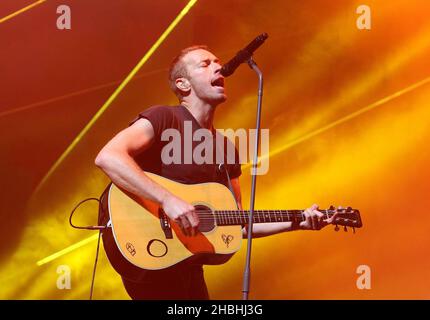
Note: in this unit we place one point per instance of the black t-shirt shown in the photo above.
(186, 170)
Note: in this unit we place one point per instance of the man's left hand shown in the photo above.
(314, 219)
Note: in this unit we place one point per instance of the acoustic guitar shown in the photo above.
(142, 236)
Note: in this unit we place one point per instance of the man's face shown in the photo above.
(203, 70)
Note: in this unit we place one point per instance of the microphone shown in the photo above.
(243, 55)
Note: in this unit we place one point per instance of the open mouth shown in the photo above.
(218, 82)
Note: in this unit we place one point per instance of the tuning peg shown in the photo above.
(349, 209)
(331, 208)
(336, 228)
(345, 229)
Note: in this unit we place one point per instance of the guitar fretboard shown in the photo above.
(237, 217)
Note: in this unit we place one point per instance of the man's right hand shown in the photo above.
(182, 213)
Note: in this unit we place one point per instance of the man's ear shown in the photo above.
(183, 84)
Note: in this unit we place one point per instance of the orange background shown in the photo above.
(349, 124)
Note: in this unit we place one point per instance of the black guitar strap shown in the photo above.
(222, 166)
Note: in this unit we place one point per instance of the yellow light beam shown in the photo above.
(342, 120)
(10, 16)
(277, 151)
(116, 92)
(67, 250)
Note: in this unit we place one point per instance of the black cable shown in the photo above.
(100, 229)
(87, 227)
(95, 265)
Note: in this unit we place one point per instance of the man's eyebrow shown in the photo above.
(208, 60)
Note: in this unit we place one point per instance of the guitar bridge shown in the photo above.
(165, 224)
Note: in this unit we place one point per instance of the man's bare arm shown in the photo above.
(116, 159)
(314, 220)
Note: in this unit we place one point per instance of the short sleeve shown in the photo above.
(161, 118)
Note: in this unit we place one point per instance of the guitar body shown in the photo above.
(142, 237)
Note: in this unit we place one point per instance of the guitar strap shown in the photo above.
(222, 165)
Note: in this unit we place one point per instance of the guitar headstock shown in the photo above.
(347, 217)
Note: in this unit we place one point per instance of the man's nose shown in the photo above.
(217, 67)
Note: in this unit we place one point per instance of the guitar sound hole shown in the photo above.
(206, 217)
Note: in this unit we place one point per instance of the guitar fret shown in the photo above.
(238, 217)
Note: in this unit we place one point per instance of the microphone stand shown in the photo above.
(247, 271)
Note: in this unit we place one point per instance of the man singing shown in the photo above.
(195, 78)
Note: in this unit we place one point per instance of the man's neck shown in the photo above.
(202, 112)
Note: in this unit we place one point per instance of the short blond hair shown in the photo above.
(178, 69)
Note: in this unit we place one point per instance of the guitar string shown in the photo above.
(208, 217)
(233, 216)
(230, 214)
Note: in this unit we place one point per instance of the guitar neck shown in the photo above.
(239, 217)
